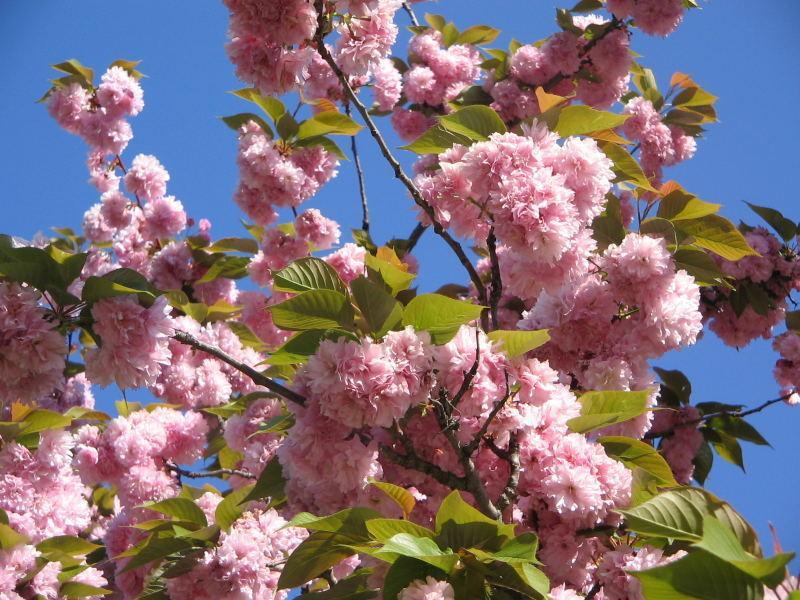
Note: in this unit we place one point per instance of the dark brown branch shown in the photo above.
(414, 462)
(399, 173)
(411, 14)
(257, 377)
(474, 484)
(214, 473)
(478, 438)
(509, 493)
(469, 375)
(497, 282)
(362, 186)
(740, 412)
(419, 229)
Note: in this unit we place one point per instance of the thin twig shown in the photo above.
(399, 173)
(362, 186)
(469, 375)
(253, 374)
(509, 493)
(413, 461)
(214, 473)
(411, 14)
(497, 282)
(476, 440)
(739, 412)
(419, 229)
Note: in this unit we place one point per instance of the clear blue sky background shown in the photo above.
(743, 51)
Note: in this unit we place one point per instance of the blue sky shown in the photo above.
(742, 51)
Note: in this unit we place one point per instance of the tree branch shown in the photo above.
(468, 375)
(214, 473)
(497, 282)
(740, 412)
(253, 374)
(476, 440)
(362, 187)
(413, 461)
(509, 493)
(411, 14)
(399, 173)
(419, 229)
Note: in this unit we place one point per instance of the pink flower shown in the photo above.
(348, 261)
(119, 94)
(429, 589)
(658, 17)
(388, 85)
(164, 218)
(32, 351)
(146, 177)
(319, 231)
(134, 342)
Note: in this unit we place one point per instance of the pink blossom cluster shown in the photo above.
(614, 570)
(427, 589)
(195, 379)
(537, 194)
(39, 491)
(242, 434)
(387, 85)
(367, 36)
(661, 145)
(272, 175)
(604, 328)
(368, 383)
(244, 564)
(46, 583)
(257, 318)
(134, 341)
(32, 351)
(75, 391)
(787, 368)
(769, 277)
(554, 65)
(131, 452)
(654, 17)
(280, 246)
(437, 75)
(348, 261)
(681, 439)
(98, 115)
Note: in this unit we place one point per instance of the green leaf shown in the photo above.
(232, 507)
(680, 206)
(234, 244)
(236, 122)
(232, 267)
(625, 166)
(318, 552)
(326, 143)
(581, 120)
(635, 452)
(153, 549)
(439, 315)
(353, 587)
(400, 495)
(436, 140)
(306, 274)
(454, 509)
(9, 538)
(393, 276)
(302, 345)
(698, 575)
(720, 541)
(701, 266)
(693, 96)
(607, 228)
(420, 548)
(74, 67)
(738, 428)
(67, 544)
(726, 446)
(703, 461)
(516, 342)
(674, 514)
(522, 548)
(180, 508)
(327, 123)
(315, 309)
(119, 282)
(478, 35)
(437, 22)
(783, 226)
(476, 122)
(75, 589)
(383, 529)
(380, 310)
(718, 235)
(272, 106)
(270, 484)
(351, 522)
(677, 382)
(600, 409)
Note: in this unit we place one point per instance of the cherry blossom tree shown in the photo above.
(507, 436)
